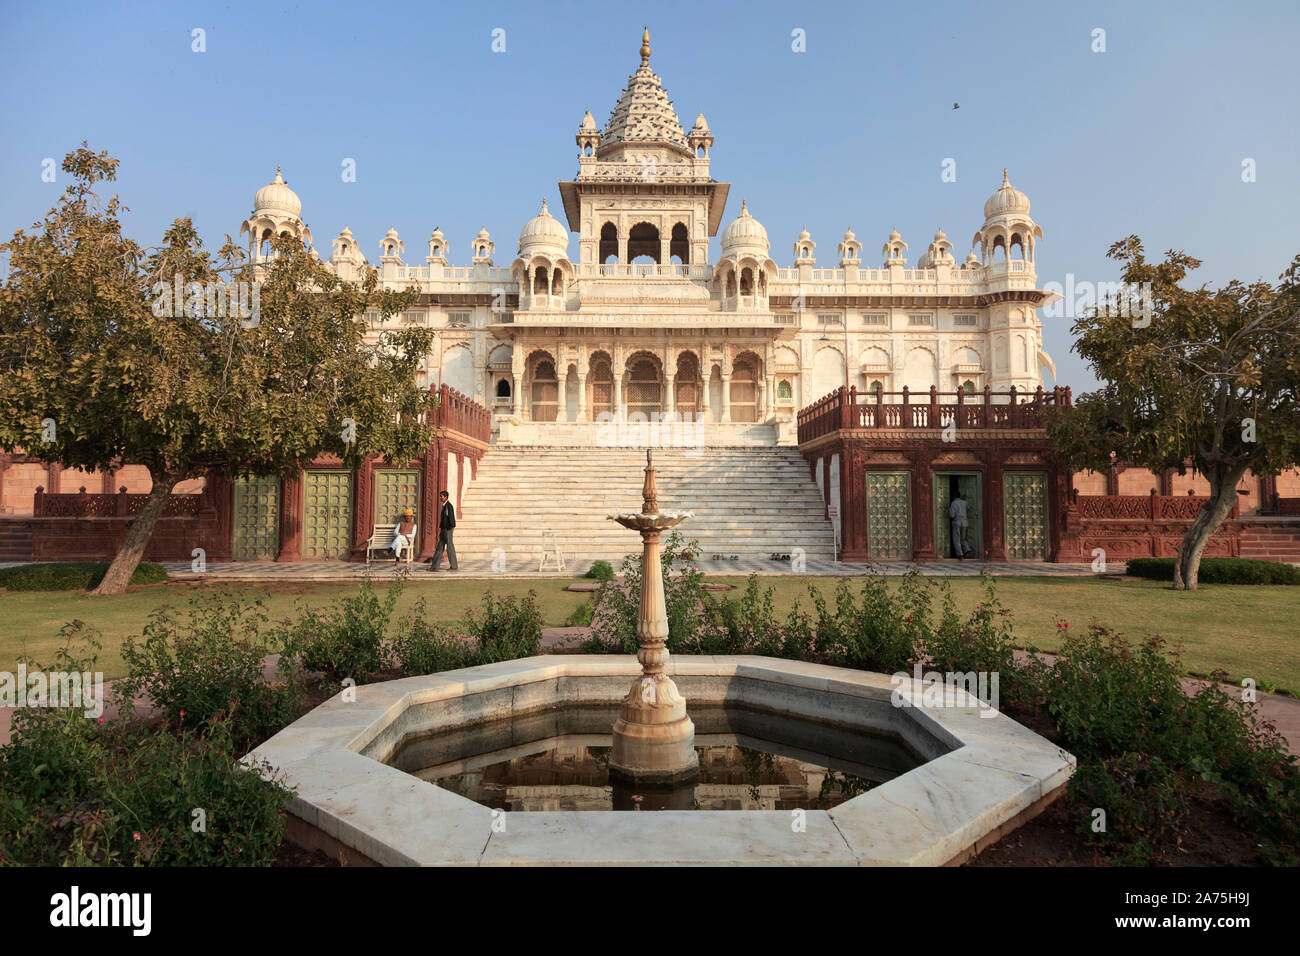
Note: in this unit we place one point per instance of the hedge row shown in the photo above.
(71, 576)
(1219, 571)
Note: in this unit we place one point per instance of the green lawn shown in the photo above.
(1246, 630)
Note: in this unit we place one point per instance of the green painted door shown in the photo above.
(889, 515)
(257, 519)
(968, 482)
(395, 489)
(326, 515)
(1024, 498)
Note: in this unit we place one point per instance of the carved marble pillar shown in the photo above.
(516, 395)
(726, 397)
(618, 395)
(670, 393)
(582, 397)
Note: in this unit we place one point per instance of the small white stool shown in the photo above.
(551, 550)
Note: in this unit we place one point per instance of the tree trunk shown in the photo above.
(128, 557)
(1223, 492)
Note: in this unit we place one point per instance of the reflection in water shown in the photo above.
(748, 761)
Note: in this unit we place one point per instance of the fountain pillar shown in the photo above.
(654, 740)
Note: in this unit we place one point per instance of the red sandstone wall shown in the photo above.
(1090, 482)
(1137, 481)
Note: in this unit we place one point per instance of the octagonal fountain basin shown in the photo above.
(800, 764)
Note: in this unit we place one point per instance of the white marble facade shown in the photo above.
(642, 323)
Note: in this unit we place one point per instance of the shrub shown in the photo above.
(581, 615)
(78, 792)
(1109, 697)
(984, 642)
(347, 639)
(600, 571)
(208, 669)
(505, 628)
(1144, 799)
(71, 575)
(614, 620)
(422, 647)
(500, 629)
(1219, 571)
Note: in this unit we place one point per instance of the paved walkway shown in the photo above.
(515, 568)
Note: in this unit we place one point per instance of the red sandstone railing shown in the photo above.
(121, 505)
(849, 408)
(1148, 507)
(460, 413)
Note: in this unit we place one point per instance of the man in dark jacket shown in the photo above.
(446, 524)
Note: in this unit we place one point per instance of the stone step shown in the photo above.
(751, 501)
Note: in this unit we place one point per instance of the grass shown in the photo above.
(1246, 631)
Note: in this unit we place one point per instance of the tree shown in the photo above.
(1204, 377)
(102, 364)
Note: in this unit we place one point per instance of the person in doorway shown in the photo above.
(403, 534)
(957, 515)
(446, 524)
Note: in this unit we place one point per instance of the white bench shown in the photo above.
(381, 539)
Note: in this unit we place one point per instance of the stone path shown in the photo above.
(485, 568)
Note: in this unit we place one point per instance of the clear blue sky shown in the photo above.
(1146, 138)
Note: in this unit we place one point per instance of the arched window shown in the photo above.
(608, 243)
(679, 247)
(643, 243)
(688, 386)
(644, 392)
(784, 391)
(744, 391)
(503, 388)
(747, 281)
(600, 386)
(546, 392)
(968, 387)
(875, 388)
(539, 281)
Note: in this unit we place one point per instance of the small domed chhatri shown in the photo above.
(277, 196)
(745, 234)
(1007, 200)
(543, 233)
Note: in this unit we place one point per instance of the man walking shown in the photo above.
(446, 524)
(957, 514)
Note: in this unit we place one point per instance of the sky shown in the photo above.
(1184, 129)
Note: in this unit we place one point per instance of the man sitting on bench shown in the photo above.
(403, 534)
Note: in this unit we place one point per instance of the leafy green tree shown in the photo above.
(102, 365)
(1206, 377)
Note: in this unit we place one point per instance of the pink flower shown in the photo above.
(136, 835)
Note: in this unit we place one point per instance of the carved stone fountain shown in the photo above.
(654, 740)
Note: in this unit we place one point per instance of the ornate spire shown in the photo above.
(645, 47)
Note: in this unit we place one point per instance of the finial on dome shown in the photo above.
(744, 207)
(645, 47)
(1005, 180)
(544, 209)
(278, 177)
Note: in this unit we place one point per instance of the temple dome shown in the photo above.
(745, 234)
(276, 195)
(1008, 200)
(544, 233)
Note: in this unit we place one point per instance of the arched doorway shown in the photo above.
(644, 390)
(744, 390)
(600, 386)
(546, 391)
